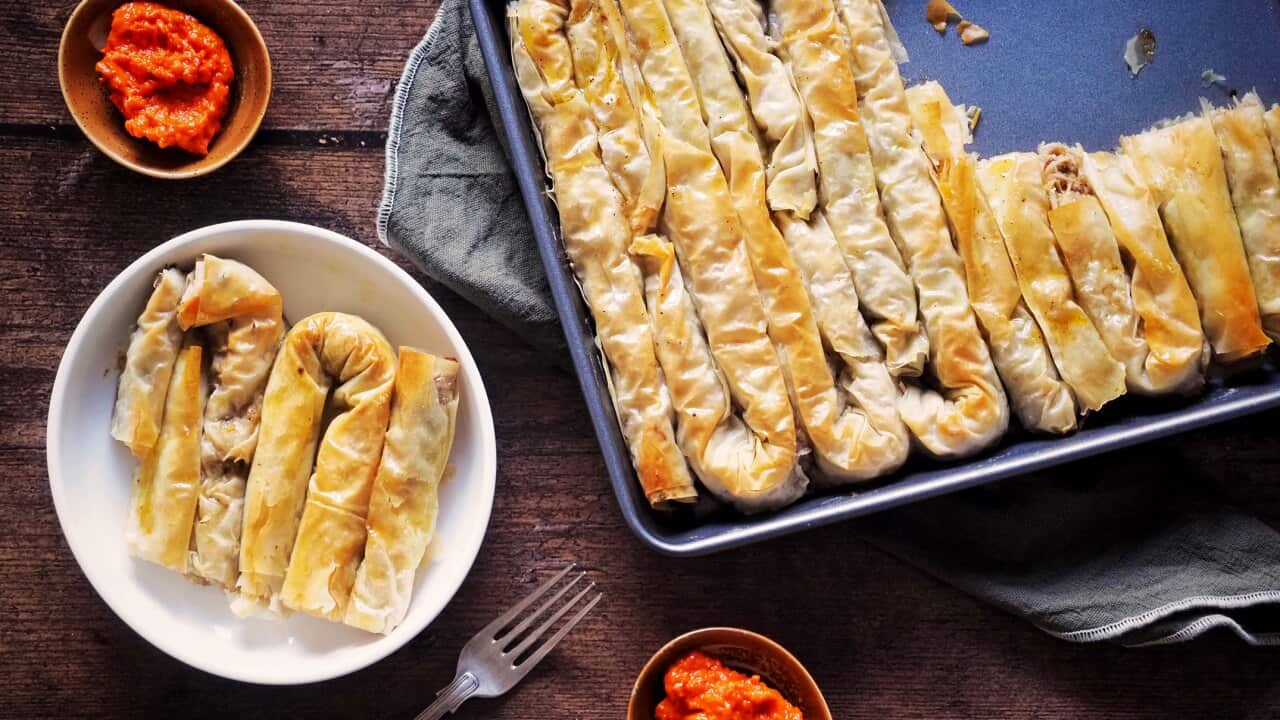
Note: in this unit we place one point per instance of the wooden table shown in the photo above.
(882, 639)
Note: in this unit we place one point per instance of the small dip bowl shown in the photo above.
(87, 97)
(741, 650)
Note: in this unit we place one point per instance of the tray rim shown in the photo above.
(812, 512)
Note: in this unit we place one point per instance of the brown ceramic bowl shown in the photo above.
(102, 123)
(742, 650)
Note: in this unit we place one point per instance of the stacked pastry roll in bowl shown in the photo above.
(295, 468)
(800, 275)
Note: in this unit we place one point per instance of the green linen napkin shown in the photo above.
(1149, 560)
(450, 203)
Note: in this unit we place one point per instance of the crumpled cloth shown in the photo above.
(1153, 559)
(450, 203)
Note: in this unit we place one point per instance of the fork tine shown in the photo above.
(533, 636)
(514, 632)
(505, 618)
(523, 668)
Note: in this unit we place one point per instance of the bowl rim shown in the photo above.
(264, 77)
(694, 639)
(174, 647)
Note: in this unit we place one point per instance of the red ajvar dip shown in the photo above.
(169, 75)
(699, 687)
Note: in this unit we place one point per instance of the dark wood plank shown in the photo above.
(882, 639)
(335, 63)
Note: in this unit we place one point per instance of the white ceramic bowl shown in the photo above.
(91, 475)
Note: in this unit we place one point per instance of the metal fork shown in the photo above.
(492, 662)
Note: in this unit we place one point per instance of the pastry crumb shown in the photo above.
(1140, 51)
(971, 33)
(974, 113)
(1210, 77)
(938, 12)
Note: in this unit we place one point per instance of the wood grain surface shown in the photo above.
(882, 639)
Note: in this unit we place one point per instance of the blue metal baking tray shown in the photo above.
(1052, 71)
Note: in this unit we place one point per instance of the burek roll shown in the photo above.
(405, 500)
(304, 531)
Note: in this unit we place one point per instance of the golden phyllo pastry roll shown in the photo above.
(404, 503)
(863, 436)
(757, 469)
(168, 483)
(596, 236)
(1169, 320)
(1273, 130)
(1183, 167)
(720, 446)
(834, 428)
(1091, 251)
(856, 430)
(241, 315)
(148, 365)
(331, 532)
(716, 441)
(969, 411)
(1039, 397)
(816, 48)
(792, 167)
(609, 80)
(1255, 193)
(315, 530)
(1014, 186)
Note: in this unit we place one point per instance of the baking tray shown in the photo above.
(1069, 84)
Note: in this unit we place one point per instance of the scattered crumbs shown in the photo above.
(1209, 78)
(938, 12)
(974, 113)
(1140, 51)
(971, 33)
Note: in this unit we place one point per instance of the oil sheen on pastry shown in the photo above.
(756, 469)
(596, 236)
(792, 166)
(1182, 165)
(968, 410)
(304, 508)
(148, 365)
(1014, 187)
(835, 428)
(405, 502)
(168, 482)
(1179, 351)
(1255, 193)
(1090, 251)
(817, 50)
(240, 313)
(1039, 397)
(605, 72)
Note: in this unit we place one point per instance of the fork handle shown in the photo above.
(451, 697)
